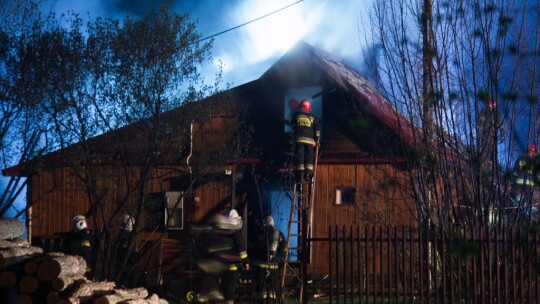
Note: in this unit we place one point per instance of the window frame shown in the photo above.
(342, 194)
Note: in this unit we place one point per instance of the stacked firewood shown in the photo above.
(27, 275)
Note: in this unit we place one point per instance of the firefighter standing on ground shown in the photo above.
(125, 252)
(224, 255)
(306, 131)
(525, 180)
(229, 279)
(267, 255)
(81, 241)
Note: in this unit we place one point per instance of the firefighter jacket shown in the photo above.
(239, 249)
(228, 247)
(269, 249)
(306, 127)
(80, 243)
(526, 171)
(125, 249)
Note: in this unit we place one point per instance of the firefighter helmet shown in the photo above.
(127, 222)
(305, 105)
(532, 149)
(79, 222)
(234, 217)
(492, 103)
(231, 221)
(268, 221)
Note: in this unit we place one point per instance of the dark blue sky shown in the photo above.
(248, 51)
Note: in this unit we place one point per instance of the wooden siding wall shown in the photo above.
(60, 196)
(382, 198)
(50, 213)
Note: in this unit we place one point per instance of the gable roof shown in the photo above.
(349, 80)
(296, 68)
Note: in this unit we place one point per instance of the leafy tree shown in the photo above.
(19, 134)
(466, 73)
(77, 85)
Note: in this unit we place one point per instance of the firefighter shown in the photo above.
(269, 251)
(525, 179)
(125, 252)
(81, 241)
(306, 132)
(229, 278)
(225, 255)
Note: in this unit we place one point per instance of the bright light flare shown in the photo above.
(270, 36)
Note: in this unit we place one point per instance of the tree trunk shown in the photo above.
(17, 254)
(11, 228)
(7, 279)
(24, 299)
(18, 242)
(28, 284)
(53, 297)
(89, 290)
(121, 295)
(67, 265)
(153, 299)
(63, 282)
(31, 266)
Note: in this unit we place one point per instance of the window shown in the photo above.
(345, 195)
(165, 209)
(174, 210)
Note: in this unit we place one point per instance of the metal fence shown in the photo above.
(412, 265)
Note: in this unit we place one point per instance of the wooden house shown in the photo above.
(360, 176)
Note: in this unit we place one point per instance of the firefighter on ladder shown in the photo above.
(306, 131)
(269, 251)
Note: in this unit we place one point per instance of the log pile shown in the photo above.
(27, 275)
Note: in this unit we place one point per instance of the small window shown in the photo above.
(345, 195)
(165, 210)
(174, 216)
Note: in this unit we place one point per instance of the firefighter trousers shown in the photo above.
(304, 160)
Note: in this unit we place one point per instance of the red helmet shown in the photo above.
(532, 149)
(305, 105)
(492, 104)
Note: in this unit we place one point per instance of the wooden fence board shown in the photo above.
(406, 264)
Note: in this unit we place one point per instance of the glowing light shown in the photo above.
(274, 34)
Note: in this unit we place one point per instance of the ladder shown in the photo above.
(300, 216)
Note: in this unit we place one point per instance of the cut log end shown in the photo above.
(24, 299)
(7, 279)
(28, 284)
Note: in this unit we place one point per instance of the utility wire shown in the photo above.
(251, 21)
